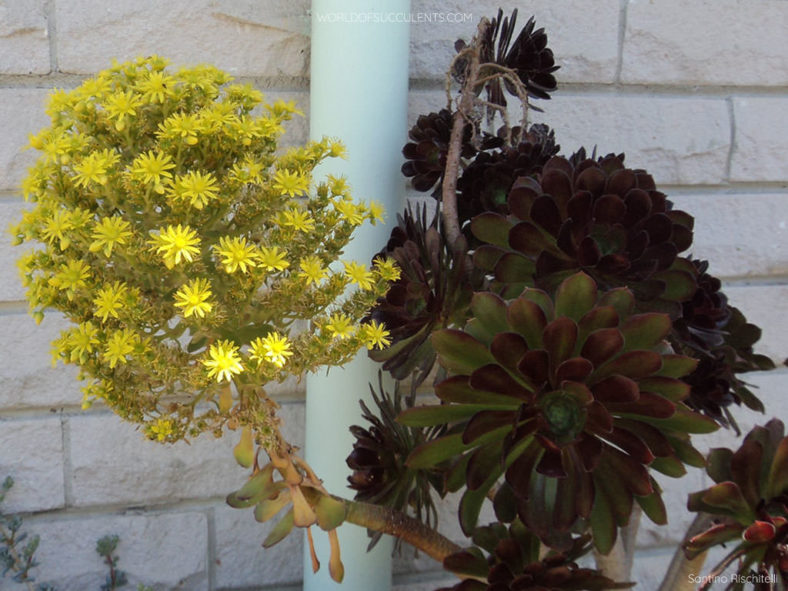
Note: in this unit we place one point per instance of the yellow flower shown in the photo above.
(93, 168)
(109, 232)
(359, 275)
(297, 219)
(153, 168)
(217, 116)
(71, 277)
(55, 228)
(176, 243)
(236, 253)
(272, 259)
(337, 149)
(312, 269)
(284, 109)
(273, 347)
(247, 171)
(197, 187)
(156, 87)
(193, 298)
(181, 125)
(340, 326)
(110, 299)
(387, 269)
(122, 104)
(338, 185)
(159, 430)
(375, 335)
(375, 211)
(81, 342)
(224, 361)
(353, 213)
(120, 344)
(290, 183)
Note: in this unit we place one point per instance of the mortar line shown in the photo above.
(52, 32)
(68, 472)
(622, 29)
(732, 118)
(211, 549)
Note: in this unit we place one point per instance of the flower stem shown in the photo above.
(395, 523)
(464, 110)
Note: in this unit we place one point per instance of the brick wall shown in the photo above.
(696, 91)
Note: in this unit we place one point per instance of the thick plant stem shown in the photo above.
(677, 577)
(395, 523)
(464, 110)
(617, 565)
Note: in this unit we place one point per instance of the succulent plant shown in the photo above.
(425, 154)
(750, 504)
(380, 475)
(513, 564)
(528, 57)
(598, 216)
(571, 399)
(721, 338)
(485, 183)
(432, 292)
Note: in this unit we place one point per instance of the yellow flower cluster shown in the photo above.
(184, 245)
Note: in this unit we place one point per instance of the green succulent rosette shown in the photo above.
(571, 399)
(750, 504)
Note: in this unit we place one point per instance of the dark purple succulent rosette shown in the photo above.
(722, 339)
(433, 292)
(512, 563)
(425, 154)
(749, 503)
(485, 183)
(380, 448)
(596, 216)
(528, 57)
(571, 399)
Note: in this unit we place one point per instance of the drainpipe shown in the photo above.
(358, 93)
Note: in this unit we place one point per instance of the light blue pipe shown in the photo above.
(359, 94)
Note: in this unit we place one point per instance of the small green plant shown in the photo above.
(17, 558)
(105, 547)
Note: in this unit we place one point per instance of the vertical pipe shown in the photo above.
(358, 93)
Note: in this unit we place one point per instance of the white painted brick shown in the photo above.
(24, 42)
(245, 38)
(677, 140)
(112, 462)
(28, 379)
(587, 57)
(740, 235)
(761, 139)
(167, 550)
(766, 306)
(241, 561)
(729, 42)
(31, 452)
(21, 113)
(10, 285)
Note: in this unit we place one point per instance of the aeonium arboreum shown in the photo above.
(572, 398)
(749, 503)
(191, 254)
